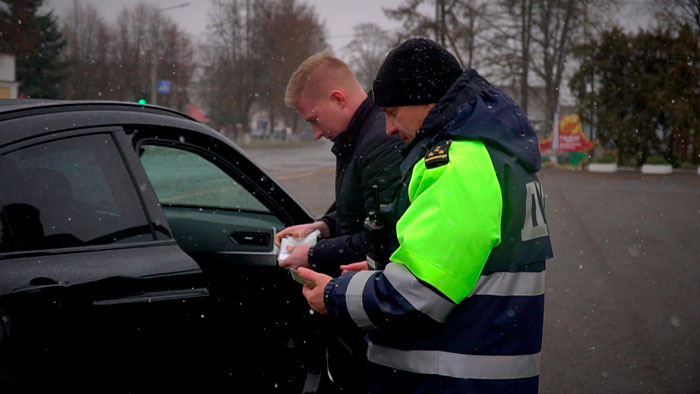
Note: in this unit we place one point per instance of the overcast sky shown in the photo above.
(340, 16)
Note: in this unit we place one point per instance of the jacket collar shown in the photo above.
(462, 91)
(344, 141)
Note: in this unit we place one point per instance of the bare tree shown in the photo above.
(257, 45)
(524, 22)
(231, 71)
(415, 21)
(132, 51)
(461, 25)
(147, 41)
(118, 63)
(175, 63)
(554, 37)
(88, 42)
(292, 32)
(367, 51)
(509, 57)
(471, 34)
(557, 25)
(679, 12)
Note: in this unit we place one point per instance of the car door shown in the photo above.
(91, 281)
(224, 212)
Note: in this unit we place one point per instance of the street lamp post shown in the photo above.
(154, 60)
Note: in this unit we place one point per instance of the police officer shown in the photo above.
(459, 307)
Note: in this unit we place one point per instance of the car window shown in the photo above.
(206, 208)
(183, 178)
(67, 193)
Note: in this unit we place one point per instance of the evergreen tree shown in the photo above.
(641, 93)
(600, 85)
(683, 97)
(36, 43)
(17, 34)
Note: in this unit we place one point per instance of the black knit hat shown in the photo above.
(419, 71)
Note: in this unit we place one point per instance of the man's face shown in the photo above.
(325, 116)
(405, 121)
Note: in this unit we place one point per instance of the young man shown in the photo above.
(460, 306)
(325, 92)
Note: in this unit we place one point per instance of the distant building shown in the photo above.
(8, 85)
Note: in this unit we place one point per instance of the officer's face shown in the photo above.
(405, 121)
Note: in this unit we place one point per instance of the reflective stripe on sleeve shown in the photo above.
(510, 284)
(463, 366)
(421, 297)
(353, 298)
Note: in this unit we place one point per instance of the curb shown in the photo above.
(602, 167)
(657, 169)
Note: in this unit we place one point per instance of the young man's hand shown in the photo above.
(302, 230)
(298, 256)
(314, 296)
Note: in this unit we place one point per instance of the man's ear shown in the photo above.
(338, 97)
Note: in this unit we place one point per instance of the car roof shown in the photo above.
(12, 108)
(26, 118)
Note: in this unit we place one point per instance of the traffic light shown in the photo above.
(142, 98)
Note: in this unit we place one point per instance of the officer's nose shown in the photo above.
(391, 127)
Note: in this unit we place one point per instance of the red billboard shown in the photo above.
(570, 136)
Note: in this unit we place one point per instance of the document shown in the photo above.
(289, 241)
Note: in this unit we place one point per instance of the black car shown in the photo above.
(137, 255)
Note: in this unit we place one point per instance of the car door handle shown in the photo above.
(39, 285)
(42, 293)
(250, 238)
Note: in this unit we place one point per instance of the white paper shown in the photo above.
(289, 241)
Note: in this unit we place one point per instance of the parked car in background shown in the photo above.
(136, 254)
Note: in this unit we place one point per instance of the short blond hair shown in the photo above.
(334, 69)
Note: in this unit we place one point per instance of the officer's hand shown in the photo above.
(361, 266)
(302, 230)
(298, 256)
(314, 296)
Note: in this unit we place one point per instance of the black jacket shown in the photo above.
(365, 156)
